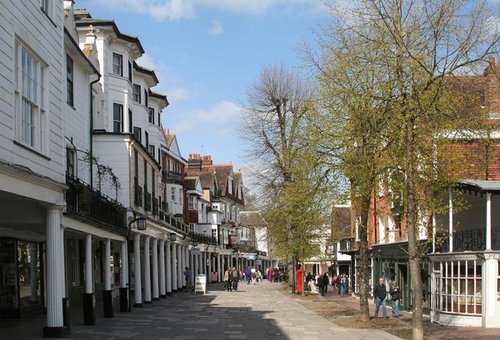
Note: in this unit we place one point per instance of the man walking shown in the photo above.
(380, 294)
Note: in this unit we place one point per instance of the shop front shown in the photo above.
(21, 270)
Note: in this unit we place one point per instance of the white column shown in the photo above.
(200, 267)
(174, 266)
(179, 267)
(125, 264)
(488, 221)
(489, 292)
(162, 268)
(183, 265)
(156, 294)
(193, 266)
(89, 269)
(169, 267)
(107, 265)
(137, 270)
(450, 221)
(147, 270)
(55, 267)
(220, 268)
(209, 258)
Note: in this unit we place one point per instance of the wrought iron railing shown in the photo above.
(347, 245)
(82, 200)
(202, 238)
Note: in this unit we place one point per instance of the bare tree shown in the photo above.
(289, 175)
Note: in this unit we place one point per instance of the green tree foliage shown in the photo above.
(387, 77)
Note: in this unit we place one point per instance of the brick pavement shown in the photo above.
(255, 312)
(433, 331)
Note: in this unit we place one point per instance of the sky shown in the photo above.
(206, 54)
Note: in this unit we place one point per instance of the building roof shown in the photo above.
(83, 18)
(482, 186)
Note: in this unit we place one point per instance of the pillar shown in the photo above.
(174, 267)
(124, 278)
(89, 316)
(156, 293)
(107, 294)
(179, 267)
(137, 271)
(147, 270)
(55, 275)
(163, 292)
(168, 273)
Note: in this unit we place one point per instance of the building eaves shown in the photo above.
(481, 186)
(80, 52)
(146, 71)
(159, 96)
(83, 22)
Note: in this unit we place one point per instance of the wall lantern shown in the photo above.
(141, 223)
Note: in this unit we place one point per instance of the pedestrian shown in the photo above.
(248, 275)
(343, 284)
(235, 277)
(379, 295)
(337, 284)
(299, 280)
(227, 279)
(187, 276)
(321, 284)
(395, 293)
(270, 274)
(326, 280)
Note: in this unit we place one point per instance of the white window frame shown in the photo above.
(119, 66)
(30, 98)
(119, 119)
(192, 202)
(136, 93)
(461, 288)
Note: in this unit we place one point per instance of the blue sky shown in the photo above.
(206, 53)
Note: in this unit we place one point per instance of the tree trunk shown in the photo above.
(413, 252)
(364, 311)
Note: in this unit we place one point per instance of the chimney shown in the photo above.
(207, 160)
(194, 162)
(90, 39)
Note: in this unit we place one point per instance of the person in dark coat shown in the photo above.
(380, 294)
(395, 293)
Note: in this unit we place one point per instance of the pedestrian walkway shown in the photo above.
(433, 331)
(255, 312)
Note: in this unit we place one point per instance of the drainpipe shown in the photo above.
(92, 129)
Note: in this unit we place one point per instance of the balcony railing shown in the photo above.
(84, 201)
(347, 245)
(171, 177)
(202, 238)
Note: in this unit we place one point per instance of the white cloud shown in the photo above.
(178, 94)
(222, 119)
(216, 28)
(172, 10)
(147, 61)
(175, 10)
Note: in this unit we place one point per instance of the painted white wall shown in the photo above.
(27, 23)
